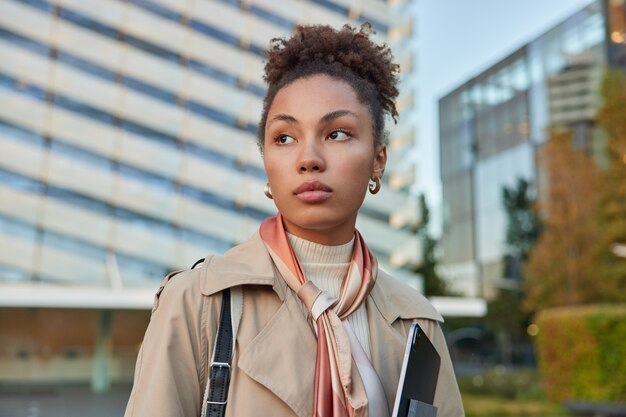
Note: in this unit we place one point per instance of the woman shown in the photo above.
(322, 330)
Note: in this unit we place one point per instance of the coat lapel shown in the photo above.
(282, 357)
(387, 349)
(395, 300)
(388, 302)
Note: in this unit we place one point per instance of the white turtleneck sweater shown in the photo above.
(326, 267)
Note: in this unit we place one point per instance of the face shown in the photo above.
(319, 156)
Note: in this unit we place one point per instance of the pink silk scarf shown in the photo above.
(339, 389)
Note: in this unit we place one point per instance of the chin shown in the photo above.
(316, 223)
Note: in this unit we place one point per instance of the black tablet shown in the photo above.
(418, 379)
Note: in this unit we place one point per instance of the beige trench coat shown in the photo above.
(274, 360)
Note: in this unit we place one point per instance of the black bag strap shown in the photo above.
(222, 359)
(219, 371)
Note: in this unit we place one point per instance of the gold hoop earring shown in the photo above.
(268, 191)
(375, 188)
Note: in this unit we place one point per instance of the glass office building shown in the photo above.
(493, 124)
(127, 150)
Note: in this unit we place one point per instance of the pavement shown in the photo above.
(62, 401)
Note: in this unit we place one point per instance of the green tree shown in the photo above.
(433, 283)
(523, 223)
(611, 267)
(505, 315)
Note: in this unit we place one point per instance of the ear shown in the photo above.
(380, 160)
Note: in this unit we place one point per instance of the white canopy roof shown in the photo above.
(55, 296)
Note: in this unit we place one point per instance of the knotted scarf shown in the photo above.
(339, 389)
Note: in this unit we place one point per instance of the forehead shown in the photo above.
(312, 97)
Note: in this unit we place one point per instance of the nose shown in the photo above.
(311, 157)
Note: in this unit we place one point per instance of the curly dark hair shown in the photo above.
(346, 54)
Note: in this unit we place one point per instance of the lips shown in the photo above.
(313, 192)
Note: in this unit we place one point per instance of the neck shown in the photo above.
(310, 253)
(329, 236)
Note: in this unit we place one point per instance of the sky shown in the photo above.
(457, 40)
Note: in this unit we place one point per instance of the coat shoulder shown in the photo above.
(179, 286)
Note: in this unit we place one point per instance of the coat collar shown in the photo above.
(246, 264)
(250, 264)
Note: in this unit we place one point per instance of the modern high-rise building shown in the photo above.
(127, 150)
(492, 125)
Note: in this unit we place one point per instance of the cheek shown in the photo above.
(276, 174)
(355, 175)
(358, 165)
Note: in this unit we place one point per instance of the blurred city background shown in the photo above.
(127, 150)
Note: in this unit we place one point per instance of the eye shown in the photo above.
(284, 139)
(339, 135)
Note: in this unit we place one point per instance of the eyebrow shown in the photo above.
(285, 118)
(337, 114)
(325, 119)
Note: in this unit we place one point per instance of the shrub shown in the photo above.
(582, 352)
